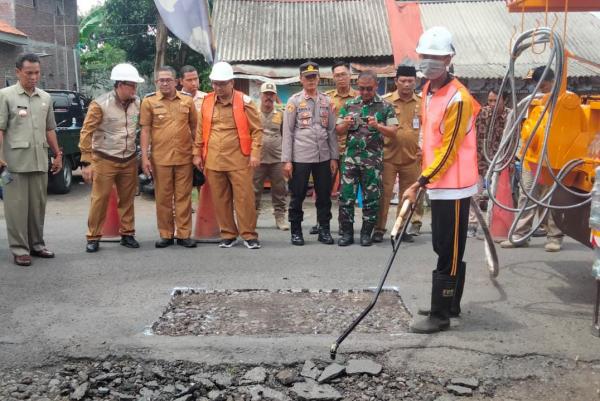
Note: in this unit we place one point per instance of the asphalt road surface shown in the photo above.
(84, 305)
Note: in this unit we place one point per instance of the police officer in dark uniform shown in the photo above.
(309, 146)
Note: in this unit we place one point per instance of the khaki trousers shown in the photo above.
(407, 175)
(173, 192)
(273, 171)
(233, 189)
(25, 210)
(526, 221)
(109, 173)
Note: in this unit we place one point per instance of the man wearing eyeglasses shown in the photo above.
(228, 145)
(309, 146)
(108, 154)
(168, 119)
(339, 96)
(365, 120)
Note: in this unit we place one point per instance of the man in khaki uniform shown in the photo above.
(26, 132)
(270, 159)
(401, 153)
(108, 163)
(168, 119)
(228, 144)
(190, 82)
(339, 96)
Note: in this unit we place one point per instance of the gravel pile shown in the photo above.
(130, 380)
(261, 312)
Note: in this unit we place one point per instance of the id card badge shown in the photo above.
(416, 124)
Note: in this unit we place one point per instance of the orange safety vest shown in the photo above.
(239, 117)
(463, 171)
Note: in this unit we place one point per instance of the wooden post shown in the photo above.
(161, 43)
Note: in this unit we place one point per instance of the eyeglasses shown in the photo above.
(165, 81)
(366, 88)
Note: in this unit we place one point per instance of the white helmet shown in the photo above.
(125, 72)
(436, 41)
(221, 71)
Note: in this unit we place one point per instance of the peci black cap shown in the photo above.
(309, 67)
(406, 71)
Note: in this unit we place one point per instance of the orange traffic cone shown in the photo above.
(110, 229)
(500, 219)
(206, 228)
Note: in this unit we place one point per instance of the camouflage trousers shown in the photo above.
(367, 173)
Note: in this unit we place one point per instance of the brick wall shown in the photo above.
(51, 26)
(7, 63)
(7, 11)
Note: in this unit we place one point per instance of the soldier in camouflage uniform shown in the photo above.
(365, 120)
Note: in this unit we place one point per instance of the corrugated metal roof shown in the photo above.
(247, 30)
(483, 31)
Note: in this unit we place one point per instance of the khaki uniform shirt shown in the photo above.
(224, 151)
(404, 147)
(25, 121)
(170, 133)
(198, 97)
(271, 146)
(338, 102)
(309, 130)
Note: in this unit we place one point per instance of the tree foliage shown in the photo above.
(124, 30)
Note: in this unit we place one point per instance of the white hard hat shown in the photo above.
(125, 72)
(221, 71)
(436, 41)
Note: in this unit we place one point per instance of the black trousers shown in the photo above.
(449, 222)
(298, 184)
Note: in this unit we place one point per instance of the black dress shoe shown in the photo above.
(186, 242)
(164, 242)
(297, 239)
(42, 253)
(129, 242)
(377, 237)
(92, 245)
(23, 260)
(407, 238)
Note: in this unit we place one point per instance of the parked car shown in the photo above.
(69, 111)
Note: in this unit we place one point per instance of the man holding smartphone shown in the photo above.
(365, 120)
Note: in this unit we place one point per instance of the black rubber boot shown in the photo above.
(442, 293)
(325, 234)
(460, 285)
(346, 234)
(296, 232)
(365, 233)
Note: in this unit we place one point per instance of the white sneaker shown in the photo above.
(228, 243)
(252, 244)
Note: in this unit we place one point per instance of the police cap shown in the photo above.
(309, 67)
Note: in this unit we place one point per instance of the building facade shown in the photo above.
(48, 28)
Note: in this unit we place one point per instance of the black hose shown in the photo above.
(396, 241)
